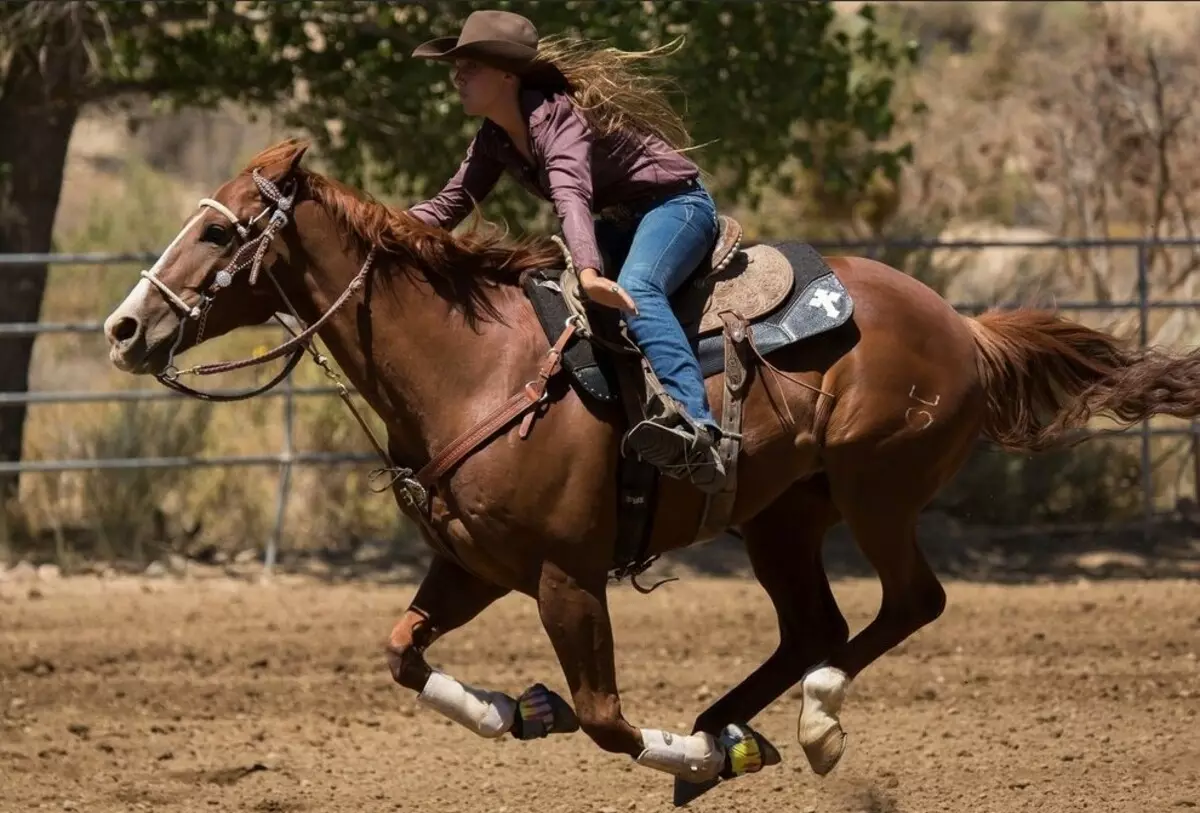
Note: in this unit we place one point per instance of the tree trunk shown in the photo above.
(37, 114)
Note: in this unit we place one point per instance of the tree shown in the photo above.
(763, 81)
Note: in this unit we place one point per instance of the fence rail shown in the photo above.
(287, 457)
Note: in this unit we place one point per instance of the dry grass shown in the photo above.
(122, 204)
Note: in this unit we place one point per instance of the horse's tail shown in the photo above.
(1044, 376)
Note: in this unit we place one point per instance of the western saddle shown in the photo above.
(770, 295)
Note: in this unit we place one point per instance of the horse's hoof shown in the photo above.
(542, 712)
(817, 728)
(746, 751)
(825, 753)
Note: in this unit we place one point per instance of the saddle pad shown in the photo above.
(818, 303)
(590, 372)
(754, 283)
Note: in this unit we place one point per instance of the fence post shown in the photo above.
(285, 477)
(6, 541)
(1195, 430)
(1143, 302)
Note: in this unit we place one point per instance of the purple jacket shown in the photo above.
(578, 172)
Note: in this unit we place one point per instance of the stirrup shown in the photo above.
(680, 450)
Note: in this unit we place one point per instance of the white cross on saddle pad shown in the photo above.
(828, 300)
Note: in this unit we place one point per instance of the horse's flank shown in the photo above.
(478, 257)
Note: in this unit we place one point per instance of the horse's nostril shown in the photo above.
(125, 329)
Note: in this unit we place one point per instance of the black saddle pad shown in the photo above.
(818, 303)
(591, 373)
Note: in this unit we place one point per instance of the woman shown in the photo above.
(577, 127)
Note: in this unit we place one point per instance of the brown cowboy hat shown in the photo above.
(501, 39)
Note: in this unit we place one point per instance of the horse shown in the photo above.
(517, 485)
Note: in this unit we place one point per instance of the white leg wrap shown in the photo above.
(488, 714)
(697, 757)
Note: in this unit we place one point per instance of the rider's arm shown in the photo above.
(474, 180)
(566, 143)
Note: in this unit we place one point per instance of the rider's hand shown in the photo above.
(605, 292)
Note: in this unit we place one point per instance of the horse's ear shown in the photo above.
(283, 168)
(294, 164)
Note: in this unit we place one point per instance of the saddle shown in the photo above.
(771, 295)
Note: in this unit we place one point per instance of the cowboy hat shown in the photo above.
(501, 39)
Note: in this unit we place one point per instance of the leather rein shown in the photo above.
(414, 489)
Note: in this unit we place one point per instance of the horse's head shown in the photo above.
(208, 282)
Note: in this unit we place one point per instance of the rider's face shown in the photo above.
(482, 88)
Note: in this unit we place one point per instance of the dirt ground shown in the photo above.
(199, 694)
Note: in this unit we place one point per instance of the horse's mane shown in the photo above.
(479, 257)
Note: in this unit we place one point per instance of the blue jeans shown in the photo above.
(656, 254)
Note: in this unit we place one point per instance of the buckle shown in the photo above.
(412, 493)
(531, 391)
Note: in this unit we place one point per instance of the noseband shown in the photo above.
(248, 256)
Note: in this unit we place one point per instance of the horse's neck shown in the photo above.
(407, 350)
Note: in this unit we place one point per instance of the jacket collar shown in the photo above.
(534, 106)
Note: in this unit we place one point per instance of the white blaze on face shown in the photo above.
(135, 302)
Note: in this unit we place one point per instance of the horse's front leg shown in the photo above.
(574, 611)
(449, 597)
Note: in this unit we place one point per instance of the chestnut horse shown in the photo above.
(861, 424)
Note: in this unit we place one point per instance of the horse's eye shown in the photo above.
(216, 234)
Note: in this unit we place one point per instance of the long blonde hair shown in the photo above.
(606, 86)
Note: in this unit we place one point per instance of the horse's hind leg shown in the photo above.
(784, 546)
(883, 518)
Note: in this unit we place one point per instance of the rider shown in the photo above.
(577, 127)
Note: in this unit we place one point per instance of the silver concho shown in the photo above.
(224, 279)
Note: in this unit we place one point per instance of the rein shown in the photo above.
(414, 489)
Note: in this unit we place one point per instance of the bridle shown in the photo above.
(248, 256)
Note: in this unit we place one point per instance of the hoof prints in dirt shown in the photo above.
(1020, 698)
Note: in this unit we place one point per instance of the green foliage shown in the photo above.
(762, 82)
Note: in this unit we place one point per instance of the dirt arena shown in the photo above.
(199, 694)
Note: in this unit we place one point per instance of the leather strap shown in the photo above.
(173, 383)
(531, 396)
(638, 487)
(719, 507)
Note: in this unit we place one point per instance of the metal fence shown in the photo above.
(288, 457)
